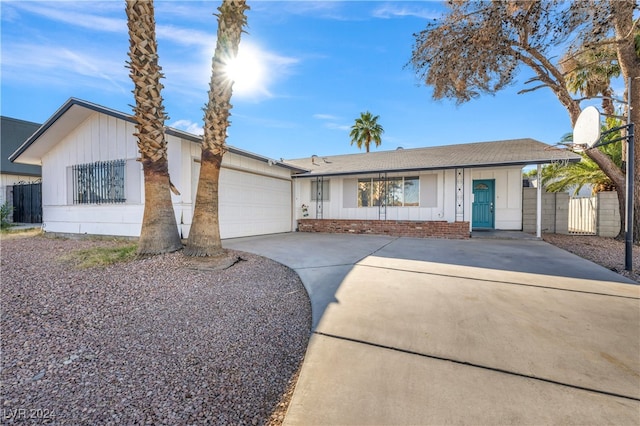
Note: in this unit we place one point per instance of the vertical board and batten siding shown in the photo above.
(255, 198)
(437, 197)
(99, 138)
(343, 192)
(508, 195)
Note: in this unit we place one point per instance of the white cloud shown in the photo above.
(318, 9)
(336, 126)
(188, 126)
(54, 12)
(62, 66)
(185, 53)
(185, 36)
(325, 117)
(332, 122)
(99, 23)
(392, 10)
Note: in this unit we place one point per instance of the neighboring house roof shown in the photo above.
(481, 154)
(74, 111)
(13, 133)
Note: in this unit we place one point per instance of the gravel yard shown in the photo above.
(162, 340)
(606, 252)
(152, 341)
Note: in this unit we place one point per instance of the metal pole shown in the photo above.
(628, 228)
(628, 247)
(539, 204)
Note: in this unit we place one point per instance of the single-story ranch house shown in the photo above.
(93, 184)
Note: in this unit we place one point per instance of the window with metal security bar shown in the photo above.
(101, 182)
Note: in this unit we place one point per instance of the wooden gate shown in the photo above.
(582, 215)
(27, 203)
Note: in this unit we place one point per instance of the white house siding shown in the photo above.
(508, 195)
(334, 208)
(440, 206)
(255, 198)
(99, 138)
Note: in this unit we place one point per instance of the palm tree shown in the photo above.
(365, 130)
(560, 177)
(589, 72)
(204, 236)
(159, 233)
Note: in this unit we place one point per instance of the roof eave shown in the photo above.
(120, 115)
(312, 174)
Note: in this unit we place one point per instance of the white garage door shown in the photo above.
(252, 204)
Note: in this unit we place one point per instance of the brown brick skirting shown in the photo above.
(396, 228)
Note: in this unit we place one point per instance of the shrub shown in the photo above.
(5, 211)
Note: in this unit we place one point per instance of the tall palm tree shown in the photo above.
(159, 233)
(366, 130)
(589, 72)
(204, 236)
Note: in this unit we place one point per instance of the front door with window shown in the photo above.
(483, 204)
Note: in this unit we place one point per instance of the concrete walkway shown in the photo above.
(424, 331)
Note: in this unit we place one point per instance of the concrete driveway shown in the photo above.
(425, 331)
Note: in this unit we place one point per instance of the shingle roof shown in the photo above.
(480, 154)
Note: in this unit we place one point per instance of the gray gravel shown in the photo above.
(150, 341)
(607, 252)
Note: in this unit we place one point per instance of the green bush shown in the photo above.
(5, 211)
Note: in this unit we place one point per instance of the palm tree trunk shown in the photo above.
(624, 24)
(204, 235)
(159, 233)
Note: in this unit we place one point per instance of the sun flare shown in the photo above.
(246, 71)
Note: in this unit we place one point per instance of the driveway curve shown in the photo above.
(426, 331)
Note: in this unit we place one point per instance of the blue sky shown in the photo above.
(317, 66)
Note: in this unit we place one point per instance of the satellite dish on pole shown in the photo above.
(587, 128)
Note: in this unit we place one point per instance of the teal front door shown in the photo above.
(483, 203)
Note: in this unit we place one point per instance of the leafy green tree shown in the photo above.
(204, 235)
(366, 130)
(159, 233)
(478, 47)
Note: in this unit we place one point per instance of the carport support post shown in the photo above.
(539, 204)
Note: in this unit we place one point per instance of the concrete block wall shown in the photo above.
(562, 212)
(400, 228)
(555, 211)
(608, 216)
